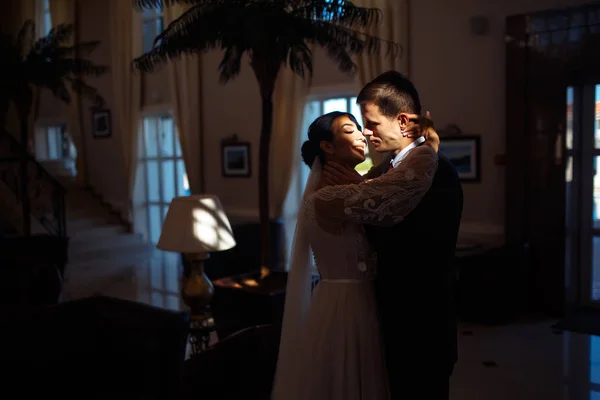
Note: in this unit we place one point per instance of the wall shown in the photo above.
(104, 156)
(460, 78)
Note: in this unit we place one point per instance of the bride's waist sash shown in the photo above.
(346, 280)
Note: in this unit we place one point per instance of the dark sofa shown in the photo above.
(98, 347)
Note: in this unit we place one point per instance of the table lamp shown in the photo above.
(196, 226)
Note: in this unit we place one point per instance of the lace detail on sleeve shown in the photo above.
(382, 201)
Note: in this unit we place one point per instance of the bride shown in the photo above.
(330, 345)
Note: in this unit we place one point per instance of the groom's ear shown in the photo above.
(327, 147)
(403, 120)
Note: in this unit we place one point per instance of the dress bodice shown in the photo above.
(343, 256)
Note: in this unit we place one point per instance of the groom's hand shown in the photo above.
(337, 174)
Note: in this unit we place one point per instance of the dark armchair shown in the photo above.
(241, 366)
(98, 347)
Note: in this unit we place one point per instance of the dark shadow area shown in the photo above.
(580, 320)
(242, 366)
(97, 347)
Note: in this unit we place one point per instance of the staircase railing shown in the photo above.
(45, 198)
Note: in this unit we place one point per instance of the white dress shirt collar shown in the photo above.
(402, 155)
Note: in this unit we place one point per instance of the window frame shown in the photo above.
(143, 158)
(61, 139)
(163, 268)
(159, 19)
(44, 18)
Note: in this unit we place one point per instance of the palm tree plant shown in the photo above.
(49, 62)
(274, 34)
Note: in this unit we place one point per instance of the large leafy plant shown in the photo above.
(49, 62)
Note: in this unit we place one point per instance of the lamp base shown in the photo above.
(196, 289)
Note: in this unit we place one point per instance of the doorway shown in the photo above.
(553, 156)
(582, 184)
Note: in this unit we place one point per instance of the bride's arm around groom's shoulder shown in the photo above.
(384, 200)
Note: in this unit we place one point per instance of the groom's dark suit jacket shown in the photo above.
(415, 279)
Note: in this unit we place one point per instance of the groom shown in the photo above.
(414, 285)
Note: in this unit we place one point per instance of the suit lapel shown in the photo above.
(383, 167)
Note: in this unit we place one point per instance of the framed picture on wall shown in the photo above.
(235, 158)
(465, 153)
(101, 123)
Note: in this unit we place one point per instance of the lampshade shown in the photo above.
(196, 224)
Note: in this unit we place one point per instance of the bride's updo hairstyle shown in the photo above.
(321, 130)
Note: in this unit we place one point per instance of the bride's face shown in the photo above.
(348, 145)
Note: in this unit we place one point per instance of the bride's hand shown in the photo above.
(433, 139)
(423, 126)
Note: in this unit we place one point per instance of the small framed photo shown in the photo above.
(465, 153)
(236, 159)
(101, 123)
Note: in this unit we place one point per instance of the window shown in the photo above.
(161, 174)
(53, 143)
(162, 280)
(44, 19)
(160, 177)
(597, 114)
(153, 26)
(328, 14)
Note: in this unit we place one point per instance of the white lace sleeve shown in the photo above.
(382, 201)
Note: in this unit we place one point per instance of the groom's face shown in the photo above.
(384, 133)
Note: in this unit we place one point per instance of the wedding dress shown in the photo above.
(330, 345)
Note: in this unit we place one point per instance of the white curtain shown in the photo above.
(288, 107)
(289, 100)
(393, 27)
(185, 78)
(125, 45)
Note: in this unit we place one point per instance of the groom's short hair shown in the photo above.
(393, 93)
